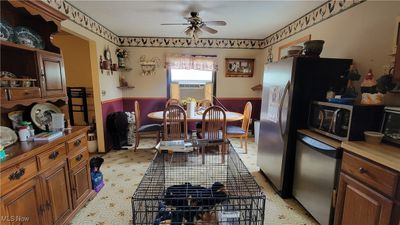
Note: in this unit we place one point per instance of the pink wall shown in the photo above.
(148, 105)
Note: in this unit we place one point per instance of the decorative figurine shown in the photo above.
(368, 85)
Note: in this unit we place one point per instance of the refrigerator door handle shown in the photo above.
(283, 131)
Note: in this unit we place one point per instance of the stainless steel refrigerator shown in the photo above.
(289, 86)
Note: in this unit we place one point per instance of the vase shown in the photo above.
(121, 62)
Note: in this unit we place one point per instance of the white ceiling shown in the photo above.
(245, 19)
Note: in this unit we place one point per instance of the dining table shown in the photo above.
(197, 117)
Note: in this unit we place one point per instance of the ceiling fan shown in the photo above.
(196, 25)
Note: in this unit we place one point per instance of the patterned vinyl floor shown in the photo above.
(124, 169)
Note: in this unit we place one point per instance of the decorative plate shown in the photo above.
(28, 37)
(7, 136)
(41, 114)
(6, 74)
(6, 31)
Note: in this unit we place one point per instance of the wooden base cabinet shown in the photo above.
(57, 196)
(23, 205)
(80, 182)
(44, 189)
(359, 205)
(367, 194)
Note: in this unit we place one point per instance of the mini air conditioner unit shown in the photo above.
(191, 86)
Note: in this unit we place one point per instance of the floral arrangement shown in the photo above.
(184, 102)
(121, 53)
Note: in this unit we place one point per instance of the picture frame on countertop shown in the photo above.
(283, 49)
(239, 67)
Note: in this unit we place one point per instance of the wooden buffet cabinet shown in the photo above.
(44, 68)
(369, 185)
(46, 183)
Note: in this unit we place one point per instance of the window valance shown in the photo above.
(190, 62)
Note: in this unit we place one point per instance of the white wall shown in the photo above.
(156, 86)
(364, 33)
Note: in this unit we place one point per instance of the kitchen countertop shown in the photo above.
(20, 151)
(384, 154)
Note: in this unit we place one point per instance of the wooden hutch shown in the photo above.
(42, 182)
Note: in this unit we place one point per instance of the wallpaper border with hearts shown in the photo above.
(315, 16)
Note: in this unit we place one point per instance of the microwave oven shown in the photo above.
(344, 122)
(391, 125)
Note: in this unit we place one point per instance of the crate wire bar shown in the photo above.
(210, 194)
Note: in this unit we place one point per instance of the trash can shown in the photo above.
(256, 130)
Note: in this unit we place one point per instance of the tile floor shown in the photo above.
(124, 169)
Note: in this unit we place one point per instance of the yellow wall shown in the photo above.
(78, 72)
(156, 86)
(364, 33)
(100, 81)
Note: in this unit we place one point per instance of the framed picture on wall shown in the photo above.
(239, 67)
(283, 50)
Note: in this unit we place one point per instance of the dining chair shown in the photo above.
(241, 131)
(171, 101)
(205, 103)
(145, 129)
(214, 128)
(175, 123)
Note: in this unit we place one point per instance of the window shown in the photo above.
(191, 76)
(183, 83)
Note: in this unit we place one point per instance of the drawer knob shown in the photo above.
(77, 142)
(53, 155)
(17, 174)
(362, 170)
(26, 92)
(79, 157)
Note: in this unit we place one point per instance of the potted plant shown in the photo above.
(122, 54)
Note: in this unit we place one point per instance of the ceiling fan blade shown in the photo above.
(215, 23)
(208, 29)
(175, 24)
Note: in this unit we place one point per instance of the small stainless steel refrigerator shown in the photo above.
(289, 86)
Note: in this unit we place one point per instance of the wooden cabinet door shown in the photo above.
(52, 75)
(80, 183)
(56, 190)
(23, 205)
(360, 205)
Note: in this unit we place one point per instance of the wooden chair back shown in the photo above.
(213, 123)
(174, 116)
(247, 116)
(137, 115)
(204, 103)
(171, 101)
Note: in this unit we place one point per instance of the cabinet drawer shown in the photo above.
(77, 144)
(16, 175)
(376, 176)
(51, 156)
(77, 158)
(23, 93)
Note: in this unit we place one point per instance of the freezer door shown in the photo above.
(274, 121)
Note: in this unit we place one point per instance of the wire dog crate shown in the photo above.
(179, 189)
